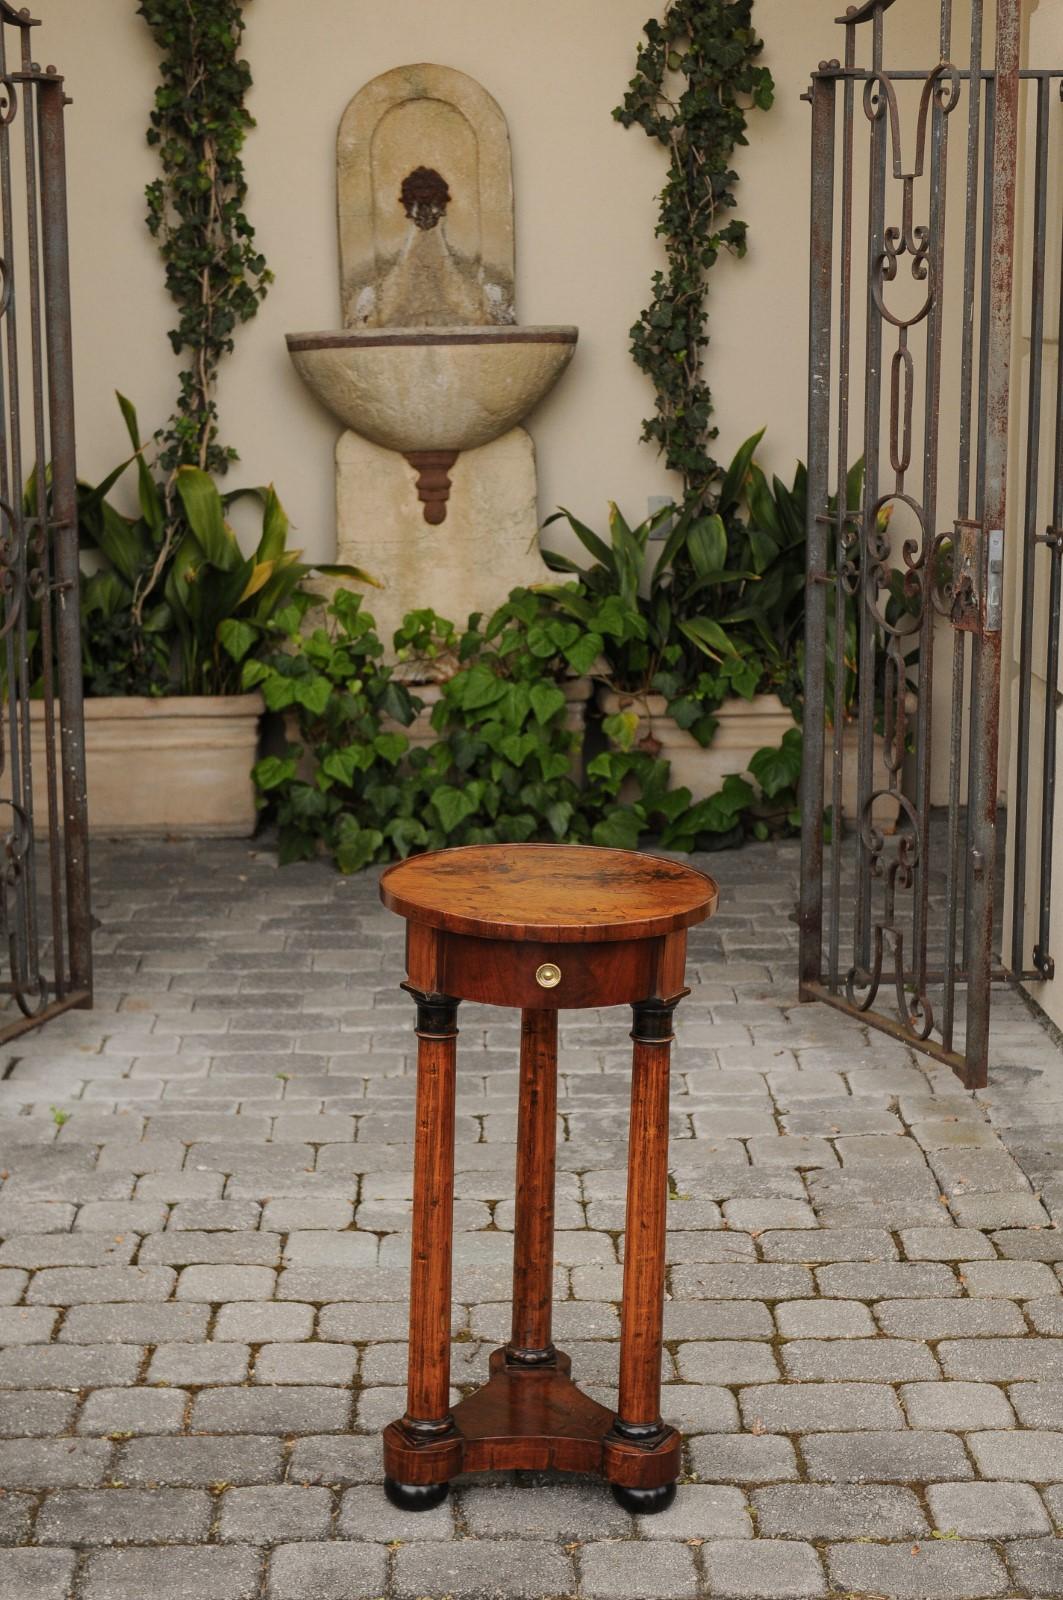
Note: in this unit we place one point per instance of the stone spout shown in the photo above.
(433, 481)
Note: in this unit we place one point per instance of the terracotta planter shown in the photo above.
(745, 726)
(176, 765)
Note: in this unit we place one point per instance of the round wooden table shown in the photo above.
(546, 928)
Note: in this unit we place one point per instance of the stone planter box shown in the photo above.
(176, 765)
(745, 726)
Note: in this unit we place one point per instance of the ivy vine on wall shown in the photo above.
(214, 271)
(696, 79)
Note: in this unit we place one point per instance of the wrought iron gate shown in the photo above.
(44, 895)
(905, 600)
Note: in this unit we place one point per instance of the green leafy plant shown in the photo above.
(496, 762)
(744, 579)
(777, 772)
(174, 605)
(226, 604)
(696, 77)
(334, 788)
(628, 793)
(764, 527)
(126, 642)
(504, 748)
(214, 271)
(717, 613)
(720, 612)
(739, 809)
(646, 618)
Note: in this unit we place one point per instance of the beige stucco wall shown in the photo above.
(584, 212)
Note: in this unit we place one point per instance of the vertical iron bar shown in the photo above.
(986, 684)
(975, 730)
(64, 510)
(1043, 960)
(866, 595)
(1017, 823)
(841, 597)
(970, 246)
(924, 738)
(13, 599)
(23, 936)
(42, 532)
(987, 243)
(821, 264)
(955, 830)
(959, 638)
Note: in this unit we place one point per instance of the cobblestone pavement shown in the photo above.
(203, 1273)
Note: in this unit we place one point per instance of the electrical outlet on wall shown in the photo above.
(654, 503)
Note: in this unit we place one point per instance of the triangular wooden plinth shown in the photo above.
(535, 1419)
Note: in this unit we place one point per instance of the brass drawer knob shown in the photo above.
(548, 976)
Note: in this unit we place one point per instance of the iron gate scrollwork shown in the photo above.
(903, 601)
(45, 923)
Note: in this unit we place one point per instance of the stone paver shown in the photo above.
(333, 1571)
(495, 1570)
(36, 1574)
(625, 1571)
(203, 1285)
(931, 1571)
(956, 1405)
(702, 1511)
(208, 1572)
(767, 1570)
(1037, 1457)
(1038, 1565)
(121, 1516)
(987, 1510)
(818, 1511)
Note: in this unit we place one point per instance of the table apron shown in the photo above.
(502, 972)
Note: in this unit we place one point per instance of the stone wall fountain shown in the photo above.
(431, 376)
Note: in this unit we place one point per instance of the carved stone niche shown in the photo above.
(459, 272)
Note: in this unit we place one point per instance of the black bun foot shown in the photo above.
(644, 1501)
(415, 1496)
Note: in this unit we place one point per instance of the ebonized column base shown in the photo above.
(644, 1502)
(415, 1496)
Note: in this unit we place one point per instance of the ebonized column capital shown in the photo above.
(437, 1014)
(652, 1019)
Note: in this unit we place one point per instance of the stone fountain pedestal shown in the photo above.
(487, 545)
(431, 375)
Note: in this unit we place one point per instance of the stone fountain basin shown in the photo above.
(414, 389)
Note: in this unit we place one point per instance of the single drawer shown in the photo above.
(511, 972)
